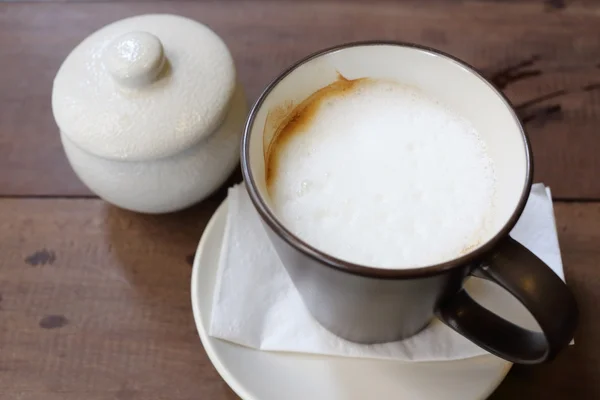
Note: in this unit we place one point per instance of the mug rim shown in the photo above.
(327, 260)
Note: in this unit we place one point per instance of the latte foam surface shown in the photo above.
(379, 174)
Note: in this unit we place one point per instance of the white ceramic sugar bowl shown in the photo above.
(150, 112)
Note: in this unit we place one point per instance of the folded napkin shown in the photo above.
(256, 305)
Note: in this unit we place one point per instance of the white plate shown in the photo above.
(260, 375)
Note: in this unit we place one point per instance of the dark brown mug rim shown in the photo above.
(357, 269)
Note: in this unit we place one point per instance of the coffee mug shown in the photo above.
(373, 305)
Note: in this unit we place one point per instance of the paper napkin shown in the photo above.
(256, 305)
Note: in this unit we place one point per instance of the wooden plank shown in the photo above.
(574, 373)
(95, 304)
(267, 36)
(549, 4)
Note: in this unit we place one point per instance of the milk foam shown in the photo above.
(384, 176)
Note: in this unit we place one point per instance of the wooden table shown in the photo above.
(95, 301)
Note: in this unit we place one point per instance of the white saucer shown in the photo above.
(260, 375)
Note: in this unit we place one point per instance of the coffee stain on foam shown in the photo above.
(288, 121)
(278, 116)
(478, 235)
(275, 117)
(469, 248)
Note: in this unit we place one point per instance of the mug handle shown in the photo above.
(537, 287)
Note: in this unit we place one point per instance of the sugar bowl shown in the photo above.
(150, 112)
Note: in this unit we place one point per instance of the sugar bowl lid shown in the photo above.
(144, 87)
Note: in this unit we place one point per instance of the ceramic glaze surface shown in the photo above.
(144, 88)
(134, 59)
(170, 183)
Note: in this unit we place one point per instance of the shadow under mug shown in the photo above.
(372, 305)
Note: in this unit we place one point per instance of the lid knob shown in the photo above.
(134, 59)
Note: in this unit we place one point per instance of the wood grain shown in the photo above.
(95, 301)
(574, 374)
(95, 304)
(266, 36)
